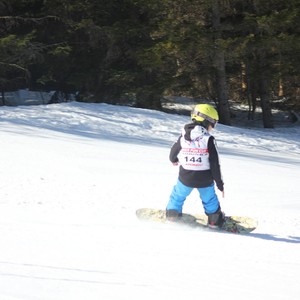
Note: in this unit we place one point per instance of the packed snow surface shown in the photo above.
(72, 176)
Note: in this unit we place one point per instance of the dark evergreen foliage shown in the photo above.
(136, 51)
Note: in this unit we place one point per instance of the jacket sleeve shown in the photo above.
(175, 149)
(214, 163)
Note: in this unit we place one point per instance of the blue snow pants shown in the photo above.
(180, 192)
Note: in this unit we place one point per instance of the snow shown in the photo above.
(72, 176)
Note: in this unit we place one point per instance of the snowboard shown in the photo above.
(234, 224)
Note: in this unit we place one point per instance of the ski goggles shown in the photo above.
(205, 117)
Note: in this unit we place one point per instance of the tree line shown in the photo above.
(117, 51)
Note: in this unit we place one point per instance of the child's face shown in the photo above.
(210, 128)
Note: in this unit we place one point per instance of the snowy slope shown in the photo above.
(72, 176)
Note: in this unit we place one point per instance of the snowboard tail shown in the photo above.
(234, 224)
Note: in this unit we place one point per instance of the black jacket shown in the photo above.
(197, 179)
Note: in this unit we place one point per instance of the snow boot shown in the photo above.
(217, 219)
(173, 215)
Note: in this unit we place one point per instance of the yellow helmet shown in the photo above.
(205, 112)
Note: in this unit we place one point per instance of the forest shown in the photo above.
(139, 51)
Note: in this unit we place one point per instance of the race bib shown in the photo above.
(194, 155)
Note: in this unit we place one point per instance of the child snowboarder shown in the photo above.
(196, 153)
